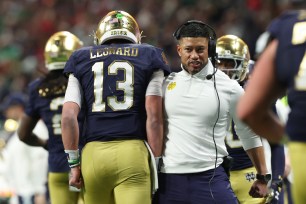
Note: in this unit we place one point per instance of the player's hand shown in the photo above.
(75, 177)
(259, 189)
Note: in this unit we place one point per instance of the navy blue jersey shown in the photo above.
(49, 110)
(236, 151)
(290, 31)
(114, 79)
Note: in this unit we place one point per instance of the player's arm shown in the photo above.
(70, 126)
(154, 109)
(70, 111)
(70, 129)
(262, 90)
(257, 156)
(25, 132)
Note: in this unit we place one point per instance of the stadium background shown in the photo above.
(26, 25)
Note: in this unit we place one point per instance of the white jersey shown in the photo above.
(192, 106)
(27, 166)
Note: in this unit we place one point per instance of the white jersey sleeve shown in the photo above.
(155, 84)
(74, 91)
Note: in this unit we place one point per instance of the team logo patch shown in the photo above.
(171, 86)
(250, 176)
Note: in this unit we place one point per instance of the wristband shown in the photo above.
(73, 158)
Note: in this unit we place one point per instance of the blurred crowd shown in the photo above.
(26, 25)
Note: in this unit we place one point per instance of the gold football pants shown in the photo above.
(58, 184)
(116, 172)
(297, 157)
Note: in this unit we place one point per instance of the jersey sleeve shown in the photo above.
(155, 85)
(73, 91)
(70, 66)
(159, 61)
(273, 28)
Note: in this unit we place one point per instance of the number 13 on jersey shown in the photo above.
(126, 85)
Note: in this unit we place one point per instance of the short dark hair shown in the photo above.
(193, 30)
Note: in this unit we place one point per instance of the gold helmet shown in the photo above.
(58, 49)
(235, 51)
(117, 25)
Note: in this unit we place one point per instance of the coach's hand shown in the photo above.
(259, 189)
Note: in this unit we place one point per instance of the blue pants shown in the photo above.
(195, 188)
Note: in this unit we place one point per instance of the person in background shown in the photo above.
(200, 103)
(118, 82)
(280, 70)
(46, 97)
(234, 60)
(26, 166)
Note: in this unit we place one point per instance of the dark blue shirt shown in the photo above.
(49, 110)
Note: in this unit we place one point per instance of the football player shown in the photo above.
(278, 160)
(46, 102)
(119, 80)
(234, 60)
(280, 70)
